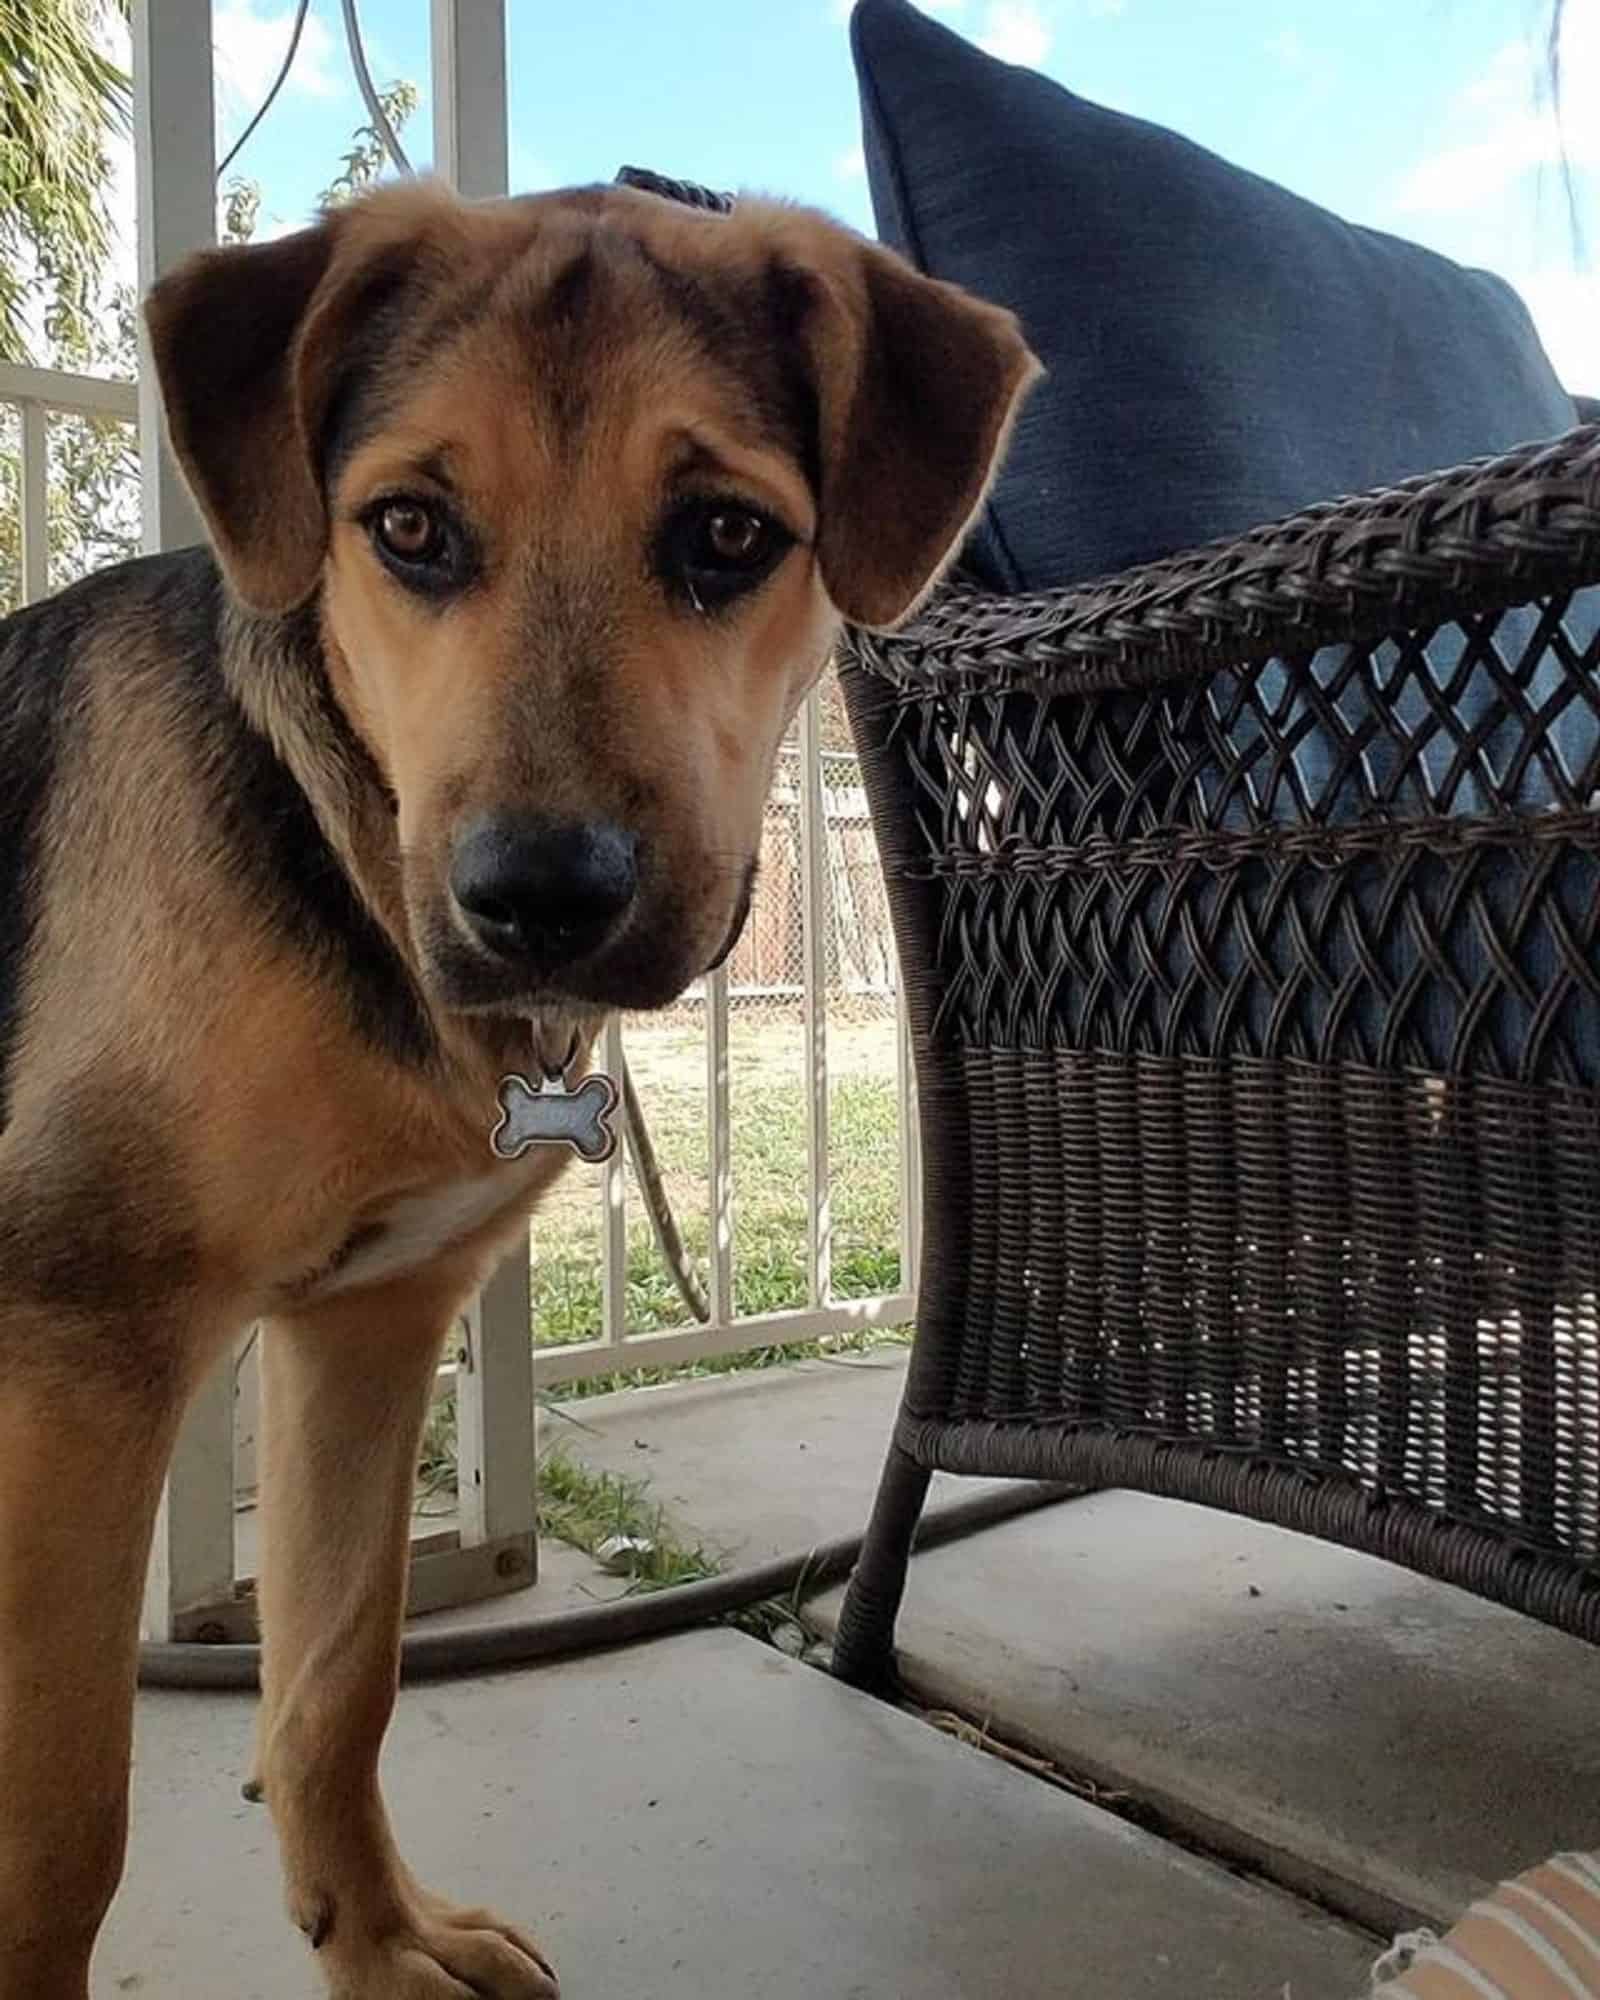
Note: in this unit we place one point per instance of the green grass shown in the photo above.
(573, 1504)
(585, 1508)
(769, 1152)
(437, 1483)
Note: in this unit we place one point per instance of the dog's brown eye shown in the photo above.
(736, 539)
(424, 544)
(712, 551)
(409, 531)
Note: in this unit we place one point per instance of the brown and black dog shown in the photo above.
(534, 520)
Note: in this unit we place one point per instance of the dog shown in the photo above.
(531, 523)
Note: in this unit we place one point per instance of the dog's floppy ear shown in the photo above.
(250, 343)
(917, 384)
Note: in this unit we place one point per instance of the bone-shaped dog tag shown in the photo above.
(554, 1115)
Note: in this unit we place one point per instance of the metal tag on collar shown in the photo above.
(555, 1113)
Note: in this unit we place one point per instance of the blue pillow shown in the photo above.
(1220, 352)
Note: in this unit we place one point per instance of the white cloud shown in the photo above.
(1506, 132)
(1491, 191)
(1288, 50)
(850, 165)
(1457, 179)
(1566, 309)
(249, 39)
(1016, 31)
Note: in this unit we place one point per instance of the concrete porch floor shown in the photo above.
(1383, 1743)
(703, 1819)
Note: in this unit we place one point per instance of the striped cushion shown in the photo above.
(1535, 1938)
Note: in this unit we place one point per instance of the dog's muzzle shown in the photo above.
(539, 895)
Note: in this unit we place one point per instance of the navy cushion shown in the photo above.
(1220, 352)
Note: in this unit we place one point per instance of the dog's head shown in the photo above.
(583, 484)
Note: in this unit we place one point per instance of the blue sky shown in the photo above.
(1412, 115)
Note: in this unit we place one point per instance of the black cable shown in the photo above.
(270, 99)
(369, 96)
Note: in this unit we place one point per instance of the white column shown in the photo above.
(470, 147)
(494, 1389)
(174, 150)
(191, 1580)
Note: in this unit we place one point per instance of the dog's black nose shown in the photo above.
(543, 891)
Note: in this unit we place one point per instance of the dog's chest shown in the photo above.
(412, 1231)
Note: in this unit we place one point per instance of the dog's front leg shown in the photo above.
(346, 1390)
(87, 1417)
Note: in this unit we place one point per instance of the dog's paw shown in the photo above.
(442, 1954)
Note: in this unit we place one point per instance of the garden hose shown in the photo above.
(479, 1649)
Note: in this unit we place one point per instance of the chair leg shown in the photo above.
(863, 1649)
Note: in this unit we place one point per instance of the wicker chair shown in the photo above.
(1247, 905)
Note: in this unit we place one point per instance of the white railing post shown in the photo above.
(719, 1115)
(910, 1144)
(614, 1213)
(494, 1380)
(814, 952)
(35, 502)
(36, 394)
(190, 1591)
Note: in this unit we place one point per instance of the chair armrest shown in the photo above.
(1495, 532)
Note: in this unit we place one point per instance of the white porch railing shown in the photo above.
(202, 1563)
(613, 1346)
(38, 394)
